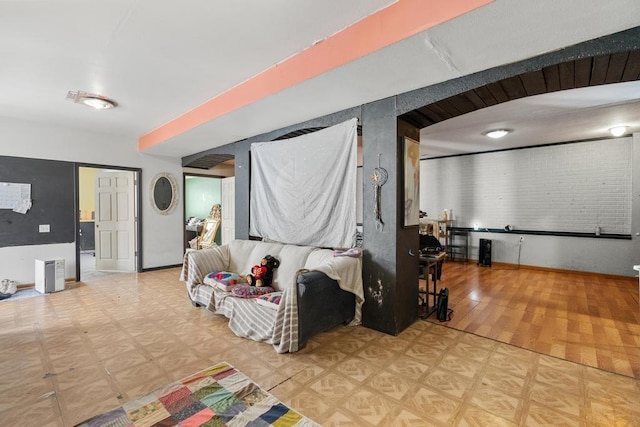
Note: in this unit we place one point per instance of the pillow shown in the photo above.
(224, 280)
(246, 291)
(270, 300)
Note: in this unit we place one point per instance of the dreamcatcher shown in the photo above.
(379, 178)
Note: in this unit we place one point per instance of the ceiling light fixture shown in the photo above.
(92, 100)
(497, 133)
(618, 130)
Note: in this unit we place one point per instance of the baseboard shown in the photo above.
(556, 270)
(164, 267)
(32, 285)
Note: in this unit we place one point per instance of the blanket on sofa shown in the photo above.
(277, 327)
(196, 265)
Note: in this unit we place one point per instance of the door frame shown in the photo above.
(224, 221)
(137, 176)
(184, 196)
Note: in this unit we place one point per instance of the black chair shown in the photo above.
(430, 245)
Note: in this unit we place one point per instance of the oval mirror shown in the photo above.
(164, 193)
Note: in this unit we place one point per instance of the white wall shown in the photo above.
(481, 194)
(162, 241)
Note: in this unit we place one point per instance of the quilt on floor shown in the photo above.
(218, 396)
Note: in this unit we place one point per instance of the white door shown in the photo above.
(228, 210)
(115, 221)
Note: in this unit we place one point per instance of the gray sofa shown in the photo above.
(319, 291)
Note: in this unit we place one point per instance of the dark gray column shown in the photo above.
(243, 186)
(390, 273)
(408, 244)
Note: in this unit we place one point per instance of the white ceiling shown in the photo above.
(162, 58)
(571, 115)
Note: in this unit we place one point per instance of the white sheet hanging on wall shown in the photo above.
(303, 189)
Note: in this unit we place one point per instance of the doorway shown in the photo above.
(201, 192)
(107, 221)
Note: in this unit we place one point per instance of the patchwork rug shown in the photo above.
(218, 396)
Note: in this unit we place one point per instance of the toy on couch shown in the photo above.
(262, 274)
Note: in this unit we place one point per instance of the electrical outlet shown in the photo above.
(44, 228)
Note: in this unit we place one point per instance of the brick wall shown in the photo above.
(567, 187)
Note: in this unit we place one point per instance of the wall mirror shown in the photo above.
(164, 193)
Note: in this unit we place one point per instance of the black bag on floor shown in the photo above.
(442, 310)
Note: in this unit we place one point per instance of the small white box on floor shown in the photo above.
(50, 275)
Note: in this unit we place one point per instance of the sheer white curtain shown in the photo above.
(303, 189)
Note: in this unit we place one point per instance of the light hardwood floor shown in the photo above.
(589, 319)
(67, 356)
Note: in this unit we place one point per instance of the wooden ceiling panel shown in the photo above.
(617, 64)
(423, 118)
(298, 132)
(462, 104)
(410, 118)
(567, 74)
(599, 70)
(632, 68)
(583, 72)
(209, 161)
(437, 111)
(417, 119)
(534, 83)
(513, 87)
(447, 108)
(552, 78)
(475, 99)
(431, 115)
(497, 92)
(486, 96)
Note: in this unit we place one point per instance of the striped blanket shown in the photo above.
(219, 395)
(248, 319)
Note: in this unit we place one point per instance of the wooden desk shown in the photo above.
(430, 264)
(191, 231)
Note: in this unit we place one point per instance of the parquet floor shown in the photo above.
(589, 319)
(67, 356)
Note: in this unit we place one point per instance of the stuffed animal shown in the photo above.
(262, 274)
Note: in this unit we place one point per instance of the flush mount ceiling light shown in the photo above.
(92, 100)
(497, 133)
(618, 130)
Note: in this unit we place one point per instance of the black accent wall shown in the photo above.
(52, 194)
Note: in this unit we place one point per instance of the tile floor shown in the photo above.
(67, 356)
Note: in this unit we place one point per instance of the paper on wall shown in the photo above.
(23, 206)
(15, 196)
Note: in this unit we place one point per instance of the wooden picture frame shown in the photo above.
(208, 234)
(411, 166)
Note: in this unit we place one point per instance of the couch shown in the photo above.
(319, 290)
